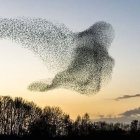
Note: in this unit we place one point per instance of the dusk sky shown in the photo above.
(19, 67)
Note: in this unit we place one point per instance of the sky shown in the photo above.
(19, 67)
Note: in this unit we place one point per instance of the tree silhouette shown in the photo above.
(21, 118)
(68, 125)
(51, 123)
(16, 115)
(77, 126)
(86, 124)
(134, 125)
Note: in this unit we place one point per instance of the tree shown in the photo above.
(77, 126)
(16, 115)
(134, 125)
(5, 114)
(85, 124)
(68, 125)
(51, 123)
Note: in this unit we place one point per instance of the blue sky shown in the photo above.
(78, 15)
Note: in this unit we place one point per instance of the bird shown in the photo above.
(80, 61)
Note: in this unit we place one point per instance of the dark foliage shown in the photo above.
(20, 119)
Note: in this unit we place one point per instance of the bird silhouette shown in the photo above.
(80, 61)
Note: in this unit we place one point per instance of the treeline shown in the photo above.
(16, 115)
(21, 118)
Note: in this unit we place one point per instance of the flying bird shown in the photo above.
(79, 61)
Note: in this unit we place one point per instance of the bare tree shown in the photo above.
(16, 115)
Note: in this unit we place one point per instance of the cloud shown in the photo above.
(79, 61)
(127, 97)
(133, 112)
(124, 117)
(120, 119)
